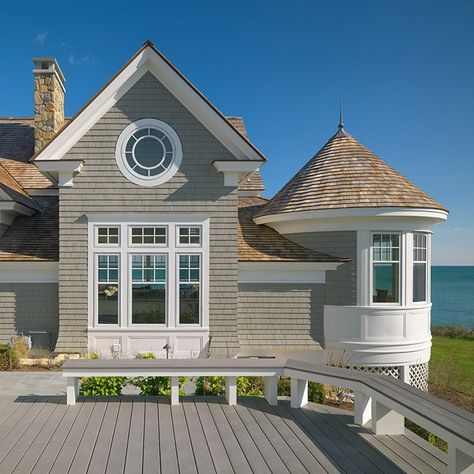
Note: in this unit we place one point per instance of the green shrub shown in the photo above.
(106, 386)
(452, 331)
(155, 385)
(246, 386)
(6, 352)
(316, 391)
(430, 437)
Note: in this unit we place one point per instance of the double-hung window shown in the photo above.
(189, 289)
(420, 267)
(385, 268)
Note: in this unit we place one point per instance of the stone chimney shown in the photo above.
(49, 100)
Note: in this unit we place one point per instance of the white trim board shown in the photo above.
(29, 272)
(148, 59)
(284, 272)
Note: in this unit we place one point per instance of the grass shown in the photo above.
(448, 353)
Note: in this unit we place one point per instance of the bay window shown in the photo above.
(386, 268)
(420, 267)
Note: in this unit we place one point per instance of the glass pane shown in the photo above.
(188, 304)
(194, 275)
(385, 283)
(419, 282)
(137, 275)
(148, 239)
(183, 260)
(194, 261)
(148, 231)
(102, 275)
(136, 231)
(108, 297)
(148, 303)
(183, 275)
(113, 275)
(136, 239)
(395, 238)
(113, 261)
(113, 239)
(113, 230)
(102, 231)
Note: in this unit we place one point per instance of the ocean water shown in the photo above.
(452, 295)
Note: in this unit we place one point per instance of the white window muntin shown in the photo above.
(386, 257)
(107, 235)
(152, 233)
(172, 221)
(189, 236)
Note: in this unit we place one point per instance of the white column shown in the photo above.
(231, 390)
(72, 390)
(385, 420)
(362, 408)
(459, 462)
(299, 392)
(271, 390)
(174, 390)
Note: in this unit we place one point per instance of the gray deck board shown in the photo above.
(202, 435)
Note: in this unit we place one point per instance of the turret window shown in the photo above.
(386, 268)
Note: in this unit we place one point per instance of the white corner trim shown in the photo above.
(62, 171)
(236, 171)
(284, 272)
(149, 60)
(29, 272)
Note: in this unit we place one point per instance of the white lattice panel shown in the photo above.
(419, 376)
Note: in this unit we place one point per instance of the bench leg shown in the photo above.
(386, 421)
(299, 392)
(459, 462)
(174, 390)
(72, 390)
(231, 390)
(271, 390)
(362, 408)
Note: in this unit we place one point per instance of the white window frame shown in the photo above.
(132, 245)
(96, 254)
(401, 269)
(125, 222)
(411, 262)
(188, 325)
(190, 245)
(96, 232)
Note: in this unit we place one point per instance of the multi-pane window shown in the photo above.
(155, 235)
(107, 235)
(148, 292)
(189, 288)
(189, 235)
(108, 289)
(386, 268)
(420, 267)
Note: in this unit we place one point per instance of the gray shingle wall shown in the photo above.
(26, 307)
(341, 284)
(196, 188)
(280, 317)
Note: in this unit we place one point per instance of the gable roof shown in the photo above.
(260, 243)
(346, 174)
(148, 58)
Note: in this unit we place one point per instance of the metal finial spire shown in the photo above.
(341, 114)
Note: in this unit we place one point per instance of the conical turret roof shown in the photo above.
(346, 174)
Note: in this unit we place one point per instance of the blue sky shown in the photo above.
(405, 70)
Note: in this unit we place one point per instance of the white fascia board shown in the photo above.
(63, 171)
(388, 218)
(29, 272)
(150, 61)
(284, 272)
(236, 171)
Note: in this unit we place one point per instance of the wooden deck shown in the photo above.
(145, 434)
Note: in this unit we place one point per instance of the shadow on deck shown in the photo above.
(146, 434)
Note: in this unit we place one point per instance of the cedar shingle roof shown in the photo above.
(33, 238)
(346, 174)
(260, 243)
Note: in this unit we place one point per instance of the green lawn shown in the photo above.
(454, 356)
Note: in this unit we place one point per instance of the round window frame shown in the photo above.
(121, 159)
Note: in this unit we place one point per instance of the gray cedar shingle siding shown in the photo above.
(196, 188)
(341, 284)
(26, 307)
(280, 317)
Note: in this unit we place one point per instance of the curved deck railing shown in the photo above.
(382, 401)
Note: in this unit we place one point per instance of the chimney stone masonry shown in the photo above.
(49, 100)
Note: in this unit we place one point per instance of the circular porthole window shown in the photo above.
(148, 152)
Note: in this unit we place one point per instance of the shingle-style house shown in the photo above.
(140, 222)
